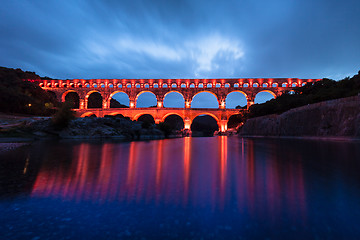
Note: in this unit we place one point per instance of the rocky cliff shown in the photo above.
(334, 118)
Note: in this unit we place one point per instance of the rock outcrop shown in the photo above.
(334, 118)
(83, 128)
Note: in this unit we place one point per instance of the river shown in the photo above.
(186, 188)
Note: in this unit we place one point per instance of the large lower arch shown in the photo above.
(117, 114)
(264, 96)
(88, 114)
(204, 125)
(64, 95)
(71, 97)
(174, 121)
(171, 113)
(174, 99)
(236, 99)
(119, 99)
(137, 116)
(206, 113)
(94, 99)
(146, 118)
(204, 99)
(146, 99)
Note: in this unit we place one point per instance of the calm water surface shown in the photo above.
(189, 188)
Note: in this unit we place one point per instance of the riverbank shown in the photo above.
(37, 128)
(9, 146)
(339, 118)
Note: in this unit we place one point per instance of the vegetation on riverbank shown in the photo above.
(24, 97)
(323, 90)
(31, 107)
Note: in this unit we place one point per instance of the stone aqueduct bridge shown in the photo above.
(188, 88)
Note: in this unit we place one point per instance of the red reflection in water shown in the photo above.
(250, 173)
(223, 168)
(179, 172)
(187, 150)
(159, 161)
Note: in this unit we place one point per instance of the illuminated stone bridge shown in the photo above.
(188, 88)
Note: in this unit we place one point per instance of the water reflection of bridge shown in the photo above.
(82, 90)
(178, 172)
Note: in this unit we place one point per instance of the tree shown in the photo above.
(63, 116)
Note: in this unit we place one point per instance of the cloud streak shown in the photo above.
(205, 54)
(181, 39)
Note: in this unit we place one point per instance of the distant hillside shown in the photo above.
(24, 97)
(326, 89)
(115, 104)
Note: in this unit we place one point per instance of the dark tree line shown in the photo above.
(21, 96)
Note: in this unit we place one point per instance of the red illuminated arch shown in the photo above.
(115, 92)
(136, 117)
(235, 91)
(65, 93)
(203, 92)
(175, 92)
(206, 113)
(268, 91)
(137, 96)
(88, 114)
(166, 94)
(90, 92)
(239, 92)
(172, 113)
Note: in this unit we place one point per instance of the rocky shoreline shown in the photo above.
(9, 146)
(81, 128)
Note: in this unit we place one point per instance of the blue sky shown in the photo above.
(181, 39)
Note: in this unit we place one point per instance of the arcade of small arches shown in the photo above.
(81, 90)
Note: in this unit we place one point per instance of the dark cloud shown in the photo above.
(181, 39)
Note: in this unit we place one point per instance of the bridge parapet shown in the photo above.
(174, 83)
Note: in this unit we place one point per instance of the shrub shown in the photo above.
(165, 128)
(63, 116)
